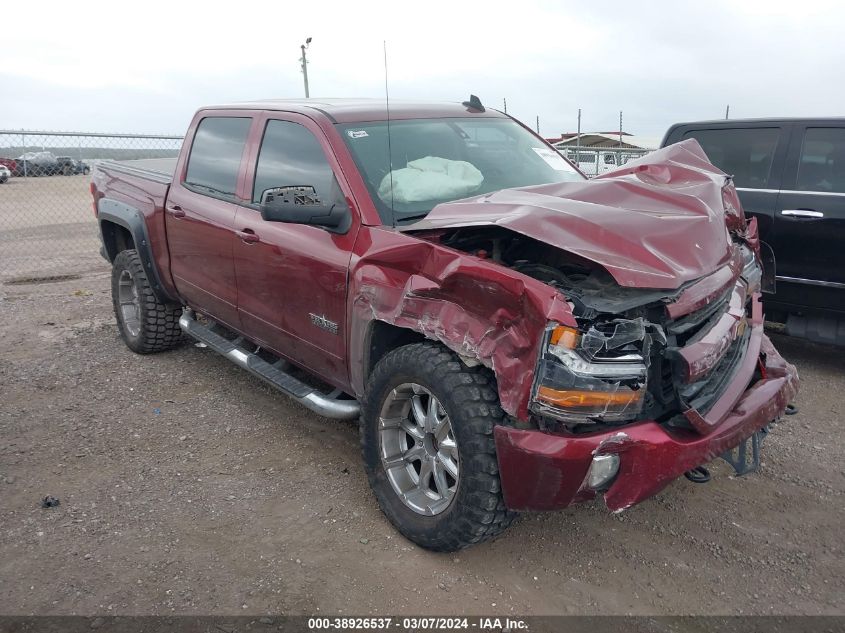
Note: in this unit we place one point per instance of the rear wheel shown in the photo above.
(146, 325)
(427, 440)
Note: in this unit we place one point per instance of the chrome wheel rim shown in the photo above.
(418, 449)
(130, 305)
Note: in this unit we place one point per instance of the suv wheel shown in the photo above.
(146, 325)
(427, 440)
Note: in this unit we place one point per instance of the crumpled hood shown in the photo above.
(657, 222)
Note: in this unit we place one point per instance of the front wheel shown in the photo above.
(146, 325)
(429, 452)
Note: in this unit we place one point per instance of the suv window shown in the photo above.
(291, 156)
(744, 153)
(216, 155)
(822, 166)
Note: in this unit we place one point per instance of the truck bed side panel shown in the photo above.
(145, 191)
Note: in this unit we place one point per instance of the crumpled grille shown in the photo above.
(693, 326)
(702, 394)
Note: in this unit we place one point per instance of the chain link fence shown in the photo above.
(47, 224)
(594, 161)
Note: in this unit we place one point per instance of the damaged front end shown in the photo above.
(628, 401)
(650, 355)
(667, 358)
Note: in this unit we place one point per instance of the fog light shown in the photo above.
(602, 470)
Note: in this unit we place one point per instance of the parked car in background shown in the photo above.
(5, 174)
(9, 163)
(66, 165)
(37, 164)
(790, 175)
(510, 336)
(69, 166)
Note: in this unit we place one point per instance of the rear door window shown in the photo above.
(216, 156)
(744, 153)
(822, 163)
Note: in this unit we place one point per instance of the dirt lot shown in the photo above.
(188, 487)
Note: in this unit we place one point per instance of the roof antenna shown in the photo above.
(474, 103)
(389, 148)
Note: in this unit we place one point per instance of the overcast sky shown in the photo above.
(146, 67)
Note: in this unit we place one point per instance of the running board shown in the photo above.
(307, 396)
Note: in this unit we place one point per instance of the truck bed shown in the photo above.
(142, 186)
(157, 169)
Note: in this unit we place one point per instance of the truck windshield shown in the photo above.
(441, 160)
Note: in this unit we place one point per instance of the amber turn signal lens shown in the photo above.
(573, 398)
(567, 337)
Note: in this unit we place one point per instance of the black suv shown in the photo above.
(790, 174)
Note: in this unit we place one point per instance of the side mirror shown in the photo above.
(300, 205)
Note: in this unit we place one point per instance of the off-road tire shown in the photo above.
(477, 512)
(159, 323)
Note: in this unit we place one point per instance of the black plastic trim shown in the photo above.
(132, 220)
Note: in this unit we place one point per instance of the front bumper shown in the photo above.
(545, 471)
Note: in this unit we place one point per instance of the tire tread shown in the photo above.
(481, 514)
(160, 329)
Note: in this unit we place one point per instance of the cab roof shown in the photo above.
(361, 110)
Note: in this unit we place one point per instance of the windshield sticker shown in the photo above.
(552, 158)
(356, 133)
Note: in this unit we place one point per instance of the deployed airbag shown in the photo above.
(430, 178)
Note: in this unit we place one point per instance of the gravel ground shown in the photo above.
(189, 487)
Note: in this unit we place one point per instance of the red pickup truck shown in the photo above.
(511, 335)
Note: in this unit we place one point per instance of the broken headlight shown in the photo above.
(593, 376)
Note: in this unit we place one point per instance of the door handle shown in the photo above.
(248, 236)
(802, 213)
(176, 211)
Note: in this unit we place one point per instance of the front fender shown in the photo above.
(482, 311)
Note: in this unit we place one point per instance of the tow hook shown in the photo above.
(698, 475)
(745, 458)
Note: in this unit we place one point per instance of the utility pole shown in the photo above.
(578, 139)
(305, 66)
(505, 101)
(727, 111)
(620, 128)
(23, 142)
(538, 124)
